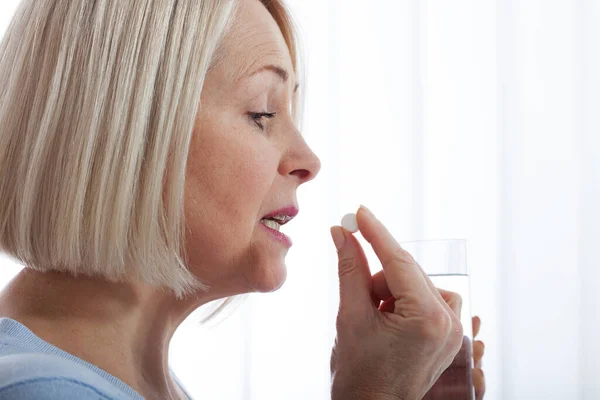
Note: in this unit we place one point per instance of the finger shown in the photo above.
(380, 288)
(354, 274)
(453, 300)
(479, 383)
(476, 325)
(382, 292)
(433, 289)
(389, 251)
(478, 351)
(401, 271)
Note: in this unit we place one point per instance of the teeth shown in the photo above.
(281, 218)
(271, 224)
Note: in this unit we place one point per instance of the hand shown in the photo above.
(454, 383)
(388, 355)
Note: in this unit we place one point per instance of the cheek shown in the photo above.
(231, 168)
(241, 183)
(227, 184)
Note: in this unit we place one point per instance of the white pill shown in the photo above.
(349, 223)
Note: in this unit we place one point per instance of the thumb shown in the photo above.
(354, 273)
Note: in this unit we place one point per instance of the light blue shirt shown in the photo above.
(31, 368)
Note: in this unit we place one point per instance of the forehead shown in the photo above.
(254, 39)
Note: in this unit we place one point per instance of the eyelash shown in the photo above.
(258, 116)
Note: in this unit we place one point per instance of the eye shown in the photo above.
(258, 117)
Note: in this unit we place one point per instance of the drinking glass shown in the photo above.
(445, 262)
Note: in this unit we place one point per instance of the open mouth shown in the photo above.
(276, 219)
(275, 222)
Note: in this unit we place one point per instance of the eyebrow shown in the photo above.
(280, 72)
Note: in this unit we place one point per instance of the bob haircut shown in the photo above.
(98, 100)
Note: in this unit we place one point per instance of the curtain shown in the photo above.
(473, 119)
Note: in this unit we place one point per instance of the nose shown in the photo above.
(300, 161)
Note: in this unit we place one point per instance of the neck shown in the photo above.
(124, 329)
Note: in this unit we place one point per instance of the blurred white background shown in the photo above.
(476, 119)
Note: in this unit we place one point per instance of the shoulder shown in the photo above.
(47, 377)
(51, 389)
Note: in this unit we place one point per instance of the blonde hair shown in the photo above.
(97, 107)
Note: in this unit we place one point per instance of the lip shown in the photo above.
(281, 237)
(290, 211)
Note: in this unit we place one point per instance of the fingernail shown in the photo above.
(365, 209)
(338, 237)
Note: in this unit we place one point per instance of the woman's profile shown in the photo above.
(150, 153)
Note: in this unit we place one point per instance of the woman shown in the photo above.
(149, 154)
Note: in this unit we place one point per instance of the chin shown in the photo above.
(268, 278)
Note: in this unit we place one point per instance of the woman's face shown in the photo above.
(246, 160)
